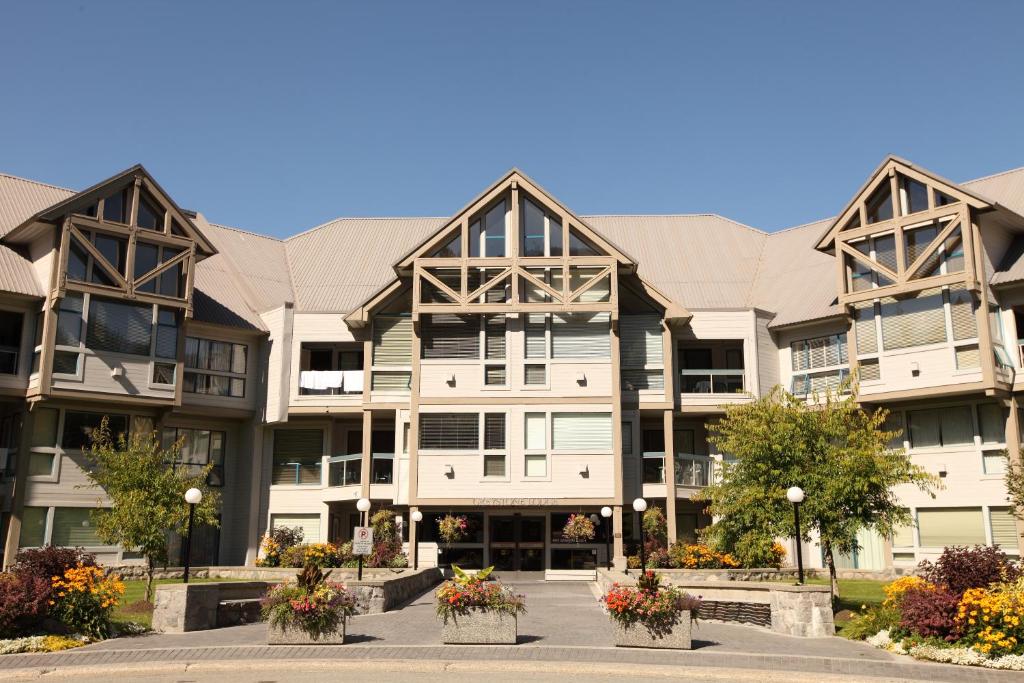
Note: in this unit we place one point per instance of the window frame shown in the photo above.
(208, 373)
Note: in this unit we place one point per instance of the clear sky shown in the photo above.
(276, 117)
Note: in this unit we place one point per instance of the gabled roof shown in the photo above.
(478, 203)
(894, 163)
(56, 212)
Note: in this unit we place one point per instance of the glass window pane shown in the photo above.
(494, 465)
(119, 327)
(238, 354)
(73, 527)
(33, 527)
(146, 256)
(536, 431)
(115, 207)
(532, 229)
(69, 320)
(879, 204)
(494, 231)
(915, 195)
(113, 250)
(940, 527)
(44, 428)
(924, 428)
(993, 423)
(536, 465)
(957, 426)
(40, 464)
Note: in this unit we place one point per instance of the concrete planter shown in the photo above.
(638, 636)
(295, 636)
(480, 628)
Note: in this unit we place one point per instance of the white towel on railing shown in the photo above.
(321, 379)
(353, 381)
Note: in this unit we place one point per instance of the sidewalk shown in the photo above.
(564, 625)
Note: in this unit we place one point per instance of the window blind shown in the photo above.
(494, 465)
(641, 341)
(1004, 530)
(992, 419)
(903, 537)
(297, 456)
(69, 320)
(494, 337)
(536, 345)
(119, 327)
(535, 375)
(450, 431)
(581, 431)
(392, 340)
(580, 335)
(451, 336)
(310, 525)
(72, 527)
(914, 321)
(870, 370)
(390, 381)
(636, 380)
(968, 357)
(494, 375)
(536, 431)
(864, 328)
(941, 427)
(940, 527)
(494, 431)
(961, 308)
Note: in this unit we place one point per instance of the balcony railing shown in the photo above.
(712, 381)
(691, 470)
(346, 470)
(330, 382)
(304, 471)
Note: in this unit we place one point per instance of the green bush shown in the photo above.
(870, 621)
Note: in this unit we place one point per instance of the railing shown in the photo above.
(8, 360)
(712, 381)
(653, 468)
(693, 470)
(346, 470)
(330, 382)
(305, 472)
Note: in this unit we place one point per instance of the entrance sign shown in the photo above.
(362, 541)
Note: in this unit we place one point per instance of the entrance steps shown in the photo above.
(570, 575)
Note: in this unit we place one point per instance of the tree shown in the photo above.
(147, 494)
(833, 449)
(1015, 486)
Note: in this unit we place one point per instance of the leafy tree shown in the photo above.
(835, 450)
(1015, 486)
(147, 494)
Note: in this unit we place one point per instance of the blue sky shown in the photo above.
(276, 117)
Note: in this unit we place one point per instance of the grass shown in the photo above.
(131, 606)
(853, 594)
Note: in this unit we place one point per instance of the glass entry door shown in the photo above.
(517, 543)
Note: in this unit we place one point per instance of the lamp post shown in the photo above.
(795, 494)
(639, 505)
(416, 518)
(192, 497)
(606, 512)
(596, 521)
(363, 505)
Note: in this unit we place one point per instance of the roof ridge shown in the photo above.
(38, 182)
(992, 175)
(364, 218)
(705, 214)
(245, 232)
(802, 225)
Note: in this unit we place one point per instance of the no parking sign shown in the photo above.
(362, 540)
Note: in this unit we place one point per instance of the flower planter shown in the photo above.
(296, 636)
(480, 627)
(638, 635)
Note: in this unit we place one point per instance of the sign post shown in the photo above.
(362, 544)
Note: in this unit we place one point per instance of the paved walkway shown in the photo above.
(564, 624)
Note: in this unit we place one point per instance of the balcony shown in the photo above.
(331, 369)
(330, 382)
(711, 367)
(346, 470)
(707, 381)
(305, 471)
(692, 471)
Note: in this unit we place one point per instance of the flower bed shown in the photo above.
(966, 608)
(474, 610)
(311, 610)
(14, 646)
(651, 615)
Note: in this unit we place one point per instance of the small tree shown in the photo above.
(147, 494)
(1015, 486)
(835, 450)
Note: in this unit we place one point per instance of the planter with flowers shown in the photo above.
(578, 529)
(476, 611)
(310, 611)
(651, 615)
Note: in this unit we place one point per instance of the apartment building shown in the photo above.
(513, 363)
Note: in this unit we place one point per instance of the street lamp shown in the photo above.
(596, 521)
(639, 505)
(606, 512)
(363, 505)
(795, 494)
(416, 518)
(192, 497)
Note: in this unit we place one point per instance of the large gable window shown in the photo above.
(487, 234)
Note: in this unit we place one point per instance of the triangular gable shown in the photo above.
(446, 233)
(82, 202)
(878, 183)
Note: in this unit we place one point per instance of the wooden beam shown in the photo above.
(869, 262)
(97, 257)
(905, 288)
(932, 247)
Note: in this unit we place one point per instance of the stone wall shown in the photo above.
(201, 606)
(794, 610)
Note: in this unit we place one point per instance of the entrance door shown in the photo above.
(517, 543)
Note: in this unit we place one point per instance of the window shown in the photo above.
(215, 367)
(116, 206)
(581, 431)
(33, 527)
(535, 433)
(382, 456)
(449, 431)
(494, 465)
(150, 217)
(451, 336)
(495, 327)
(10, 341)
(1004, 529)
(68, 333)
(74, 527)
(392, 348)
(992, 422)
(199, 447)
(641, 352)
(940, 427)
(913, 195)
(879, 204)
(119, 327)
(914, 321)
(940, 527)
(114, 251)
(717, 370)
(79, 427)
(309, 523)
(653, 456)
(536, 465)
(535, 375)
(297, 456)
(580, 335)
(819, 364)
(490, 230)
(494, 431)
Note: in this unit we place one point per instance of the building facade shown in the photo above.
(514, 363)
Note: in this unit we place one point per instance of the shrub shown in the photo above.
(871, 621)
(50, 561)
(322, 555)
(959, 568)
(894, 591)
(930, 612)
(655, 524)
(23, 602)
(277, 541)
(699, 556)
(311, 604)
(83, 599)
(650, 604)
(992, 620)
(466, 593)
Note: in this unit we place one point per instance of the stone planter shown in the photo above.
(295, 636)
(480, 628)
(638, 636)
